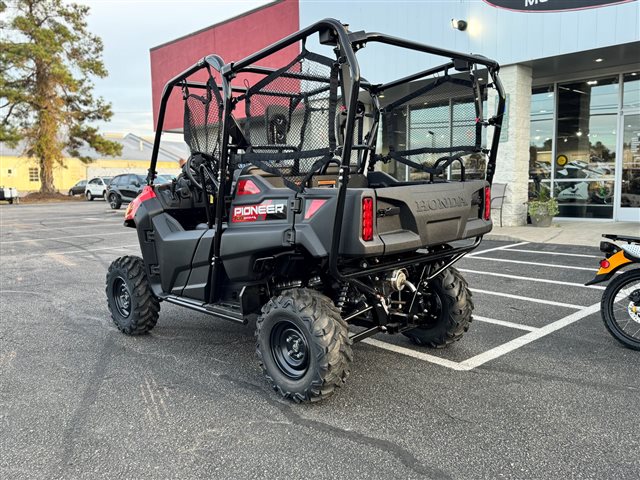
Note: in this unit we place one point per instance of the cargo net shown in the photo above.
(437, 126)
(203, 121)
(290, 119)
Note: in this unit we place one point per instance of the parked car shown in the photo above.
(124, 188)
(96, 188)
(78, 189)
(163, 179)
(9, 194)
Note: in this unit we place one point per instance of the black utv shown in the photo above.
(325, 206)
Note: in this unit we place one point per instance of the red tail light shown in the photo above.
(487, 203)
(605, 263)
(146, 194)
(247, 187)
(367, 219)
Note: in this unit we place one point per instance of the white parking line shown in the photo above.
(530, 279)
(528, 299)
(69, 252)
(415, 354)
(516, 343)
(62, 238)
(504, 247)
(523, 262)
(522, 250)
(493, 353)
(75, 220)
(93, 225)
(504, 323)
(98, 249)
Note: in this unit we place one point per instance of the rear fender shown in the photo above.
(611, 265)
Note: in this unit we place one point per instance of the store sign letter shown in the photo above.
(551, 5)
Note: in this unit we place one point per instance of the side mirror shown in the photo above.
(136, 183)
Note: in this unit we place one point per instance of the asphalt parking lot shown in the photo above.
(536, 389)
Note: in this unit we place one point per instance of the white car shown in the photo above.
(96, 187)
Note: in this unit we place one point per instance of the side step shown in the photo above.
(224, 311)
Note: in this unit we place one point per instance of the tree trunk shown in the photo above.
(46, 176)
(46, 146)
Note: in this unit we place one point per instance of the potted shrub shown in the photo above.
(543, 209)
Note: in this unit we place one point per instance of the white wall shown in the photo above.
(506, 36)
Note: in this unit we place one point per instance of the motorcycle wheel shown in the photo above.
(620, 308)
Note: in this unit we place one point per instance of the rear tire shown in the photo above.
(450, 302)
(115, 202)
(134, 309)
(89, 196)
(625, 318)
(303, 345)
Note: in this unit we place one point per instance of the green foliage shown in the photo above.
(543, 207)
(47, 60)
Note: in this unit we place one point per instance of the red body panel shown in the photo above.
(146, 194)
(232, 40)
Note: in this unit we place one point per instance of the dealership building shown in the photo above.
(570, 69)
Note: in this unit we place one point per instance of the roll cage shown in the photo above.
(234, 148)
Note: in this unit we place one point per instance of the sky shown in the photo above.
(129, 29)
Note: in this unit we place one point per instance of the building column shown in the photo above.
(512, 163)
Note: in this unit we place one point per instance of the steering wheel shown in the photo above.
(192, 170)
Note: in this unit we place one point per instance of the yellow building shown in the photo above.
(23, 173)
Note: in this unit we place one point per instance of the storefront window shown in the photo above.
(586, 147)
(630, 165)
(631, 92)
(428, 127)
(541, 141)
(439, 121)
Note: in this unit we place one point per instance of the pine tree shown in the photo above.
(47, 61)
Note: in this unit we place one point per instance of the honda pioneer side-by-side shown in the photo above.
(325, 206)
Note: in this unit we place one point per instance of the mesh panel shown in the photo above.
(203, 120)
(290, 119)
(437, 120)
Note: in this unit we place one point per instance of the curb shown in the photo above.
(503, 238)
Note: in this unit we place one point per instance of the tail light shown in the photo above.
(132, 208)
(367, 219)
(487, 203)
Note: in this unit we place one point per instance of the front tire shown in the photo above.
(115, 202)
(447, 309)
(620, 308)
(303, 345)
(134, 309)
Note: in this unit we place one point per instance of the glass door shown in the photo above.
(586, 147)
(629, 197)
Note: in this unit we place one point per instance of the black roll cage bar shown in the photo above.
(346, 43)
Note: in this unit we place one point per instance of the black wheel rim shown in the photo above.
(428, 308)
(625, 310)
(290, 350)
(122, 297)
